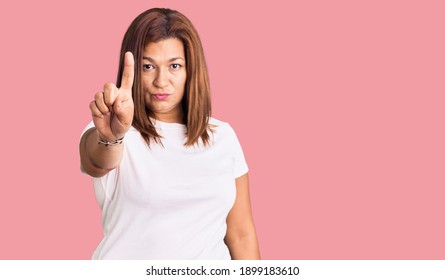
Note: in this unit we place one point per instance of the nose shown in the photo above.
(161, 80)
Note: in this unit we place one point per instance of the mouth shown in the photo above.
(161, 96)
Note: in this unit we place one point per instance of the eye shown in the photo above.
(176, 66)
(147, 67)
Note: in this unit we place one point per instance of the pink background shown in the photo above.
(339, 106)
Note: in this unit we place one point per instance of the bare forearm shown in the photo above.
(98, 159)
(241, 235)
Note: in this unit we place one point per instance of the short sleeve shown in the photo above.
(240, 167)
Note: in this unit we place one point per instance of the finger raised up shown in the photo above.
(128, 72)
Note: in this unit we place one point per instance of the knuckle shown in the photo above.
(98, 95)
(92, 105)
(108, 87)
(94, 111)
(109, 99)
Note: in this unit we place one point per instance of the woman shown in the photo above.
(172, 181)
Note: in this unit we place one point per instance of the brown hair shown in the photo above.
(152, 26)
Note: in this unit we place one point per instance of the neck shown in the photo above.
(170, 117)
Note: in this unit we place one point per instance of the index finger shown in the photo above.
(128, 72)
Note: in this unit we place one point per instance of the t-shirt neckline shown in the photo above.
(167, 125)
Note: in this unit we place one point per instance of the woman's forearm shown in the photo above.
(98, 159)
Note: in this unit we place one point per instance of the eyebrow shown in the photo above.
(170, 60)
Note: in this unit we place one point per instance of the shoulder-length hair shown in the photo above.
(152, 26)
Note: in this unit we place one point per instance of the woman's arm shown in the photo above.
(96, 159)
(241, 236)
(112, 111)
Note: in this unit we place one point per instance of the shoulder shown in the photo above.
(219, 125)
(213, 121)
(222, 131)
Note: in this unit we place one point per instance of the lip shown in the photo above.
(161, 96)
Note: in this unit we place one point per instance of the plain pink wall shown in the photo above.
(339, 106)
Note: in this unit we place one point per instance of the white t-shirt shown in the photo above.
(170, 202)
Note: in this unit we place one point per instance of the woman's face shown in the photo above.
(163, 79)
